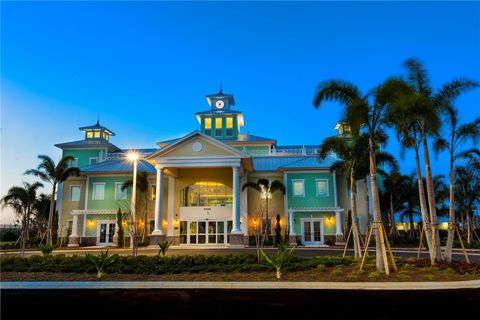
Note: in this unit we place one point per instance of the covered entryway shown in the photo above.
(312, 231)
(106, 231)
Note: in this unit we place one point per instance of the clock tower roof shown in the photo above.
(211, 98)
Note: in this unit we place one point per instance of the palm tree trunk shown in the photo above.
(377, 216)
(50, 215)
(423, 206)
(393, 227)
(267, 229)
(144, 231)
(451, 215)
(469, 229)
(353, 204)
(436, 249)
(410, 217)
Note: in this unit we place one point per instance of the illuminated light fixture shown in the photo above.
(91, 222)
(255, 221)
(132, 156)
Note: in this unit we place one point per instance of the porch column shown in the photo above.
(158, 202)
(170, 205)
(292, 227)
(74, 239)
(236, 201)
(339, 232)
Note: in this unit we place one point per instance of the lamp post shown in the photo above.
(132, 156)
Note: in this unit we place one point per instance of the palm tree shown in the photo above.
(353, 155)
(407, 190)
(142, 186)
(473, 157)
(392, 183)
(54, 174)
(426, 106)
(42, 205)
(22, 200)
(467, 184)
(457, 136)
(267, 188)
(363, 111)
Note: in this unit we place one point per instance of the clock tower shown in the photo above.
(220, 121)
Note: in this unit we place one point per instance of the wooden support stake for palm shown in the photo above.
(389, 250)
(366, 248)
(383, 240)
(461, 243)
(384, 250)
(348, 239)
(420, 245)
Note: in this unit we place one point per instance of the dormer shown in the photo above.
(343, 128)
(96, 132)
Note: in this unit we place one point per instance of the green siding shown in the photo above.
(224, 124)
(109, 202)
(329, 227)
(83, 155)
(255, 150)
(310, 200)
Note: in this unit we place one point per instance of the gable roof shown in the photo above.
(214, 141)
(91, 143)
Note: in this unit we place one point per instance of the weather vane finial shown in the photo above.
(221, 87)
(98, 118)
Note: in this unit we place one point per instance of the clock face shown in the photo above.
(219, 104)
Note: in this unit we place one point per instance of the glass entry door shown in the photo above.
(312, 231)
(106, 231)
(203, 232)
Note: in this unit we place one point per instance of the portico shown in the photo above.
(202, 176)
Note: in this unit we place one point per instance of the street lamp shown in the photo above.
(133, 156)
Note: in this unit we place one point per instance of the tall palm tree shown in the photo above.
(409, 196)
(267, 188)
(363, 111)
(55, 174)
(457, 136)
(392, 183)
(142, 186)
(353, 154)
(427, 105)
(22, 200)
(42, 205)
(473, 157)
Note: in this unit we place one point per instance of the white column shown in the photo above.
(334, 174)
(236, 201)
(158, 202)
(171, 205)
(338, 222)
(74, 237)
(292, 227)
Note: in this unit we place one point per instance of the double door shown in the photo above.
(106, 231)
(204, 231)
(312, 231)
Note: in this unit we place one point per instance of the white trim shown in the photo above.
(334, 174)
(199, 162)
(316, 188)
(293, 187)
(93, 190)
(90, 160)
(322, 239)
(86, 192)
(70, 192)
(317, 209)
(94, 212)
(289, 170)
(116, 195)
(99, 222)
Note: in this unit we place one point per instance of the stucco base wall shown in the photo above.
(237, 239)
(329, 240)
(175, 240)
(73, 241)
(154, 240)
(88, 241)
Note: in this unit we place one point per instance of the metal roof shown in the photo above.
(118, 166)
(275, 163)
(221, 111)
(247, 138)
(96, 126)
(100, 143)
(220, 95)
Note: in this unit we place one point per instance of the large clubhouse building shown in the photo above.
(195, 194)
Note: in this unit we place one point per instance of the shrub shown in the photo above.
(334, 261)
(355, 275)
(337, 271)
(279, 259)
(429, 277)
(101, 262)
(163, 247)
(46, 248)
(375, 275)
(321, 267)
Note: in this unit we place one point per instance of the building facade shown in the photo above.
(194, 194)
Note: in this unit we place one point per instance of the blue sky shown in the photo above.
(146, 67)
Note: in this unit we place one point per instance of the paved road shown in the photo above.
(301, 252)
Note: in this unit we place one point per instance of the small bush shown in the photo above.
(429, 277)
(337, 272)
(355, 275)
(163, 247)
(46, 248)
(404, 275)
(101, 262)
(321, 267)
(375, 275)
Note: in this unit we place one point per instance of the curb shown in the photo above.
(397, 286)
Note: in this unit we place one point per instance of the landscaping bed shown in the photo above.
(226, 268)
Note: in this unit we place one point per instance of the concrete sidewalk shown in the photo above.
(188, 285)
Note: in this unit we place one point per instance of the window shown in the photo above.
(105, 136)
(89, 134)
(74, 193)
(218, 127)
(73, 163)
(119, 193)
(208, 126)
(154, 192)
(92, 160)
(152, 226)
(322, 187)
(206, 194)
(229, 127)
(97, 134)
(98, 191)
(298, 186)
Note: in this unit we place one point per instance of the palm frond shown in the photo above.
(336, 90)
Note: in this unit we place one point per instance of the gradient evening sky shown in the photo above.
(146, 67)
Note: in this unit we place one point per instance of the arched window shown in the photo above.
(206, 194)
